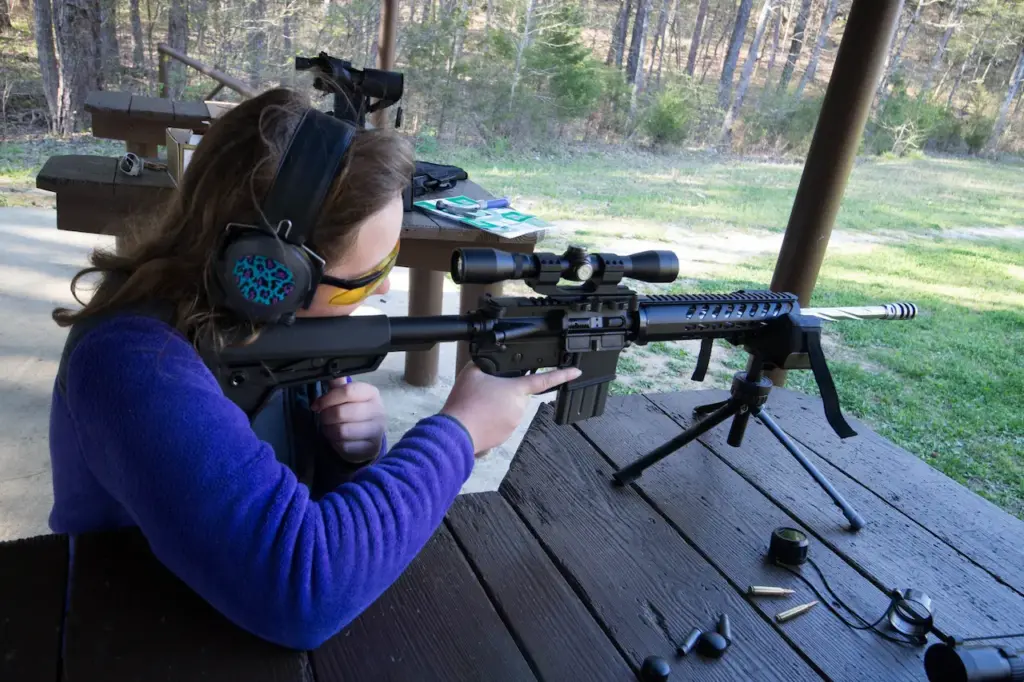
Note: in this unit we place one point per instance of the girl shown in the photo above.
(142, 436)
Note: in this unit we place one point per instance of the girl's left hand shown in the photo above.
(353, 419)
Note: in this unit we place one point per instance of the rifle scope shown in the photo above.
(487, 266)
(944, 663)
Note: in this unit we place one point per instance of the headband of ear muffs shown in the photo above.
(267, 272)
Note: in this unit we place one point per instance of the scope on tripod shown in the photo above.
(945, 663)
(487, 266)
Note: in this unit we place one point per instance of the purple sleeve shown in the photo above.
(224, 515)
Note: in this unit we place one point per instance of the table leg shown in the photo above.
(143, 150)
(469, 299)
(426, 293)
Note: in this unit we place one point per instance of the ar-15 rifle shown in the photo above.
(585, 325)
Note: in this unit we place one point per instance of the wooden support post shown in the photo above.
(386, 51)
(426, 294)
(163, 89)
(860, 62)
(844, 111)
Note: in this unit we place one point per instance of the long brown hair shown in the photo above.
(169, 262)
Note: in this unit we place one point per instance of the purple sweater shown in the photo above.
(144, 437)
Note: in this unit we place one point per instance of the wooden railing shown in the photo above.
(224, 80)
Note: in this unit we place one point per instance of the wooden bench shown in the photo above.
(142, 121)
(94, 197)
(561, 575)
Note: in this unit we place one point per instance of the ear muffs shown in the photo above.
(263, 278)
(266, 273)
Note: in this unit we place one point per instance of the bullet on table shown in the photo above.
(762, 591)
(686, 647)
(790, 614)
(724, 627)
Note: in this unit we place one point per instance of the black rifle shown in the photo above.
(585, 325)
(353, 88)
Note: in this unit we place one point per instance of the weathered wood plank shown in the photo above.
(982, 531)
(434, 623)
(156, 109)
(190, 114)
(130, 618)
(553, 627)
(639, 577)
(77, 213)
(892, 550)
(33, 580)
(108, 101)
(91, 176)
(730, 522)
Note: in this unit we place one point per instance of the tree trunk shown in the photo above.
(618, 45)
(796, 46)
(635, 65)
(76, 28)
(698, 26)
(138, 56)
(968, 59)
(25, 5)
(43, 24)
(1011, 92)
(177, 37)
(894, 58)
(776, 40)
(748, 70)
(710, 24)
(524, 40)
(732, 56)
(635, 61)
(256, 42)
(827, 17)
(664, 37)
(447, 93)
(659, 35)
(951, 21)
(110, 50)
(776, 35)
(287, 29)
(5, 16)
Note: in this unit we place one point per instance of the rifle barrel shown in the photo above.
(887, 311)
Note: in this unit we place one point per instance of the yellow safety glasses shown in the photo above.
(359, 288)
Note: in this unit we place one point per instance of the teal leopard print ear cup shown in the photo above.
(263, 280)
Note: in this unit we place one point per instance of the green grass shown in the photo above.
(947, 386)
(913, 195)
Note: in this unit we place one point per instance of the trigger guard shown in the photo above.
(488, 366)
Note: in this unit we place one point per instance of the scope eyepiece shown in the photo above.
(944, 663)
(487, 266)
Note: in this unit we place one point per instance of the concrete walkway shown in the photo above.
(36, 266)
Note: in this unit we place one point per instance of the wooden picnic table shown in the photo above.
(562, 576)
(94, 197)
(142, 121)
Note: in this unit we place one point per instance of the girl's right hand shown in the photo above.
(491, 407)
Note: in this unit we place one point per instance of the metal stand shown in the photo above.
(748, 395)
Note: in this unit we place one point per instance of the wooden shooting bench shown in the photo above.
(560, 575)
(142, 121)
(94, 196)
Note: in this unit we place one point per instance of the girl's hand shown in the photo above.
(353, 419)
(491, 407)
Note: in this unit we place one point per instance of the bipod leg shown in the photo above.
(633, 471)
(855, 519)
